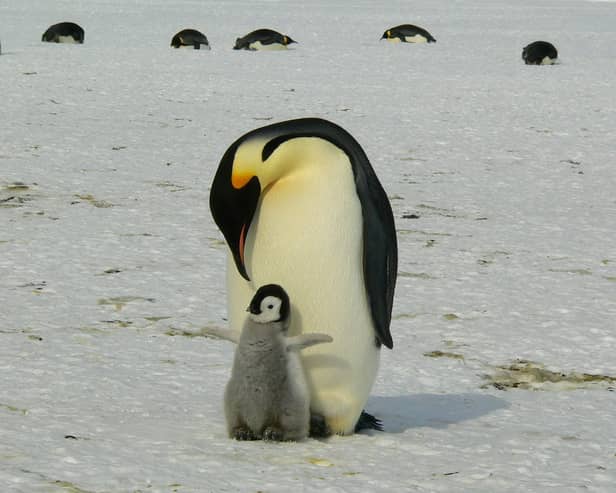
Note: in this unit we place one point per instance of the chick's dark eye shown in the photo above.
(269, 307)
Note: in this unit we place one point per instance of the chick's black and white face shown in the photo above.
(269, 304)
(268, 311)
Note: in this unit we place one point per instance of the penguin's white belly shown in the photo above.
(417, 38)
(547, 61)
(257, 45)
(307, 237)
(192, 47)
(67, 39)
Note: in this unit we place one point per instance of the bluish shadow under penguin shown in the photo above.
(400, 413)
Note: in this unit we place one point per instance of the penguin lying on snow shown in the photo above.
(408, 33)
(539, 53)
(267, 396)
(64, 32)
(263, 39)
(299, 204)
(190, 38)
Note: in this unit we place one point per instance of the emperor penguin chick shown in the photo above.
(267, 396)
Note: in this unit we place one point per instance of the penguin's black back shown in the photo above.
(264, 36)
(535, 52)
(404, 30)
(189, 37)
(63, 29)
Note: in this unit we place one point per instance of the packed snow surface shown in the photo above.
(502, 178)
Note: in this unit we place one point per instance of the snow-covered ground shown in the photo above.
(503, 181)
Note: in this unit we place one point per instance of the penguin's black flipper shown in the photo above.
(368, 422)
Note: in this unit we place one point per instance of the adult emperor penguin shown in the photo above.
(539, 53)
(300, 205)
(408, 33)
(64, 32)
(190, 38)
(263, 39)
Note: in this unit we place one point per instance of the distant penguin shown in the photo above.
(64, 32)
(263, 39)
(299, 203)
(539, 53)
(408, 33)
(190, 38)
(267, 396)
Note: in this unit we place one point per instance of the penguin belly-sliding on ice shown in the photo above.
(190, 38)
(408, 33)
(263, 39)
(539, 53)
(300, 205)
(64, 32)
(267, 396)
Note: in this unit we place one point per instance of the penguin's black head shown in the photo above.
(386, 35)
(270, 304)
(233, 206)
(286, 40)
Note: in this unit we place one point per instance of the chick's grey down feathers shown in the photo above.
(267, 396)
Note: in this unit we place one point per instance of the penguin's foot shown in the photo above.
(242, 433)
(319, 427)
(368, 422)
(273, 434)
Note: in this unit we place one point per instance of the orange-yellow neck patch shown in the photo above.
(240, 179)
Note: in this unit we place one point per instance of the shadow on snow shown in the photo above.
(399, 413)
